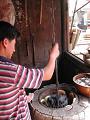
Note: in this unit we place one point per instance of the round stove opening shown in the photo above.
(54, 98)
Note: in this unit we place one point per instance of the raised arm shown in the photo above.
(49, 68)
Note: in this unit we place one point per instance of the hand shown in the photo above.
(49, 68)
(30, 97)
(54, 52)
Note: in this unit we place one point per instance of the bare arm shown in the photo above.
(49, 68)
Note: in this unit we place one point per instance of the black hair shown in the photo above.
(8, 31)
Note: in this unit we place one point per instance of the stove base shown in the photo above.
(78, 110)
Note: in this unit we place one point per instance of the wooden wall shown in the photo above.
(39, 22)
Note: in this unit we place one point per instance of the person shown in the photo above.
(15, 78)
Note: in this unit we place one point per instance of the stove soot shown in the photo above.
(58, 99)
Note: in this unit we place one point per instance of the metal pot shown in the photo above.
(82, 83)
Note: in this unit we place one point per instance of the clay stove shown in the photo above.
(66, 104)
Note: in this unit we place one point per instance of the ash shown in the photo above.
(59, 100)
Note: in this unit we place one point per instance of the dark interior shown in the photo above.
(58, 98)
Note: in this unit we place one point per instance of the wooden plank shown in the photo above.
(28, 19)
(24, 47)
(44, 31)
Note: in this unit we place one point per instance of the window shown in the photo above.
(79, 28)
